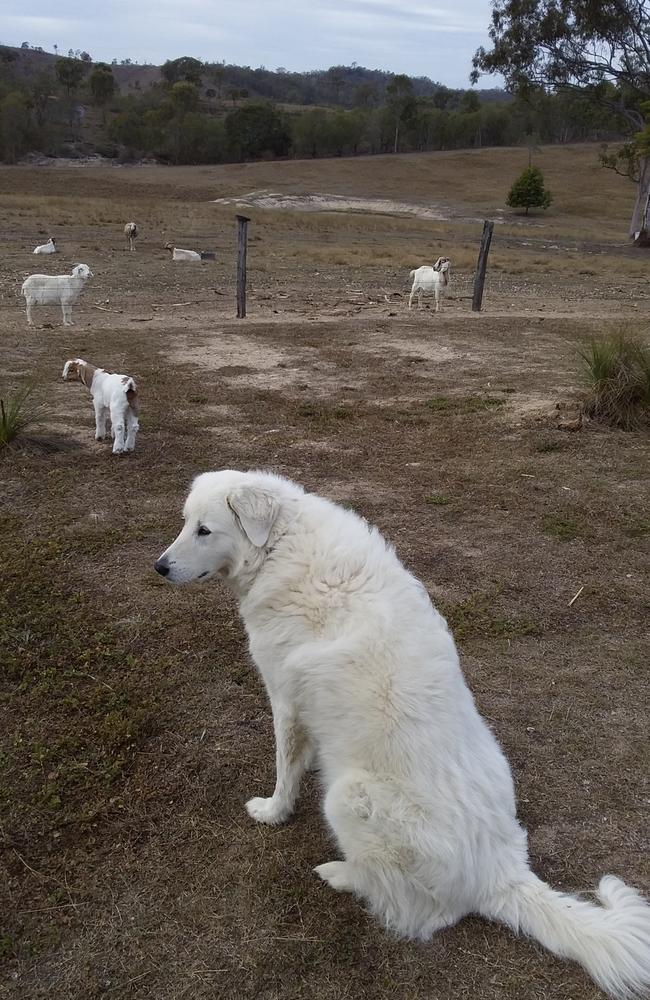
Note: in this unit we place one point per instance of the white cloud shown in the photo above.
(434, 39)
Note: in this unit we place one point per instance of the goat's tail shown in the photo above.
(412, 275)
(611, 941)
(131, 390)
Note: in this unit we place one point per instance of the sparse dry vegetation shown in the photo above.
(132, 726)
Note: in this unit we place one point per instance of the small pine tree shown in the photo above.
(528, 191)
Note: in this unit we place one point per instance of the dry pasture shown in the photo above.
(132, 725)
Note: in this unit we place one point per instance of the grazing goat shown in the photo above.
(430, 279)
(49, 247)
(130, 233)
(47, 289)
(178, 254)
(113, 395)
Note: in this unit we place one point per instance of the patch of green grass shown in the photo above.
(565, 529)
(477, 404)
(465, 404)
(437, 500)
(476, 617)
(322, 413)
(546, 445)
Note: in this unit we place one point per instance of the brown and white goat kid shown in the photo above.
(130, 234)
(114, 396)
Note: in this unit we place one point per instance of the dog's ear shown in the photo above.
(256, 511)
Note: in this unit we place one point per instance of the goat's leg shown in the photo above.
(118, 424)
(101, 415)
(419, 298)
(132, 426)
(437, 301)
(29, 313)
(411, 296)
(66, 309)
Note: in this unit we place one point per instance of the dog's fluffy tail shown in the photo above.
(611, 941)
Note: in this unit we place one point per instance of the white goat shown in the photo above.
(49, 247)
(431, 279)
(130, 233)
(47, 289)
(178, 254)
(113, 395)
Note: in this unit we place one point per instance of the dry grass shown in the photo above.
(132, 726)
(15, 415)
(617, 368)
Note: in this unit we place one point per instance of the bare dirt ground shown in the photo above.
(132, 725)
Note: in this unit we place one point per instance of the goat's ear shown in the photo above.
(256, 511)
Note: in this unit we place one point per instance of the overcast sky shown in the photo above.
(422, 38)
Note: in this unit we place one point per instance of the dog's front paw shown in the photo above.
(268, 810)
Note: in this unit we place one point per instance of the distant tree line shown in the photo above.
(213, 113)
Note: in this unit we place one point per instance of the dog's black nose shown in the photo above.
(161, 567)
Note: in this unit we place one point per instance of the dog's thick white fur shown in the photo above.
(364, 680)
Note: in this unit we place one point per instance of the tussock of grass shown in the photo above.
(15, 415)
(617, 369)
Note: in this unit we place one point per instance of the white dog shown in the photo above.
(363, 676)
(114, 396)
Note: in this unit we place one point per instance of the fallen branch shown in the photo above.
(169, 305)
(105, 310)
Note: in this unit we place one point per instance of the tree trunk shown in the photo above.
(641, 214)
(396, 136)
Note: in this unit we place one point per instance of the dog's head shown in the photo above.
(230, 518)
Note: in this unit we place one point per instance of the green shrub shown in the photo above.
(528, 191)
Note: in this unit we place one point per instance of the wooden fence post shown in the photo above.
(242, 236)
(481, 267)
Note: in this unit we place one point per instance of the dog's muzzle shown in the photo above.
(161, 566)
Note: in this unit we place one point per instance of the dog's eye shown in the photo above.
(203, 530)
